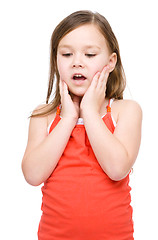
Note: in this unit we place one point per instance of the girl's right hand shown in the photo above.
(70, 106)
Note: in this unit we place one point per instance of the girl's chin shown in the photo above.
(78, 93)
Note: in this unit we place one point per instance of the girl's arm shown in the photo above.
(116, 153)
(43, 151)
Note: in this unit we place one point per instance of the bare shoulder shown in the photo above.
(40, 114)
(127, 109)
(38, 127)
(38, 123)
(129, 104)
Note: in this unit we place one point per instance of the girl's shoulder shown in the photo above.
(126, 108)
(39, 115)
(125, 103)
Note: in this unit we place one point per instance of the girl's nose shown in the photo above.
(77, 62)
(77, 65)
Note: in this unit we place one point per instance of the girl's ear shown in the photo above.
(112, 61)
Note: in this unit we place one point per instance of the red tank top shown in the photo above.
(80, 202)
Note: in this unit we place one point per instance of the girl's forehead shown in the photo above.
(88, 34)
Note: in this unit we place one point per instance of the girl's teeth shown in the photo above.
(78, 77)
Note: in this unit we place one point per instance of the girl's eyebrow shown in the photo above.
(85, 47)
(92, 46)
(65, 46)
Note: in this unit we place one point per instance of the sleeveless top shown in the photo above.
(80, 201)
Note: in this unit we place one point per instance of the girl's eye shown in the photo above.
(66, 54)
(90, 55)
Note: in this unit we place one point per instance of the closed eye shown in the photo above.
(66, 54)
(90, 55)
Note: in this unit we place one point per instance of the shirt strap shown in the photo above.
(109, 105)
(58, 110)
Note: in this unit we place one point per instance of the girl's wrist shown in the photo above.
(90, 113)
(70, 119)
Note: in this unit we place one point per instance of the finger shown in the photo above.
(103, 78)
(62, 90)
(95, 79)
(63, 87)
(104, 74)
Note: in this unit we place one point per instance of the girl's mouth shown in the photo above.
(79, 77)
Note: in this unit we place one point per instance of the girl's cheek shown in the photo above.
(98, 66)
(61, 68)
(59, 64)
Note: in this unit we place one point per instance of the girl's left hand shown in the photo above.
(95, 94)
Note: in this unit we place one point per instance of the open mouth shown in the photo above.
(79, 77)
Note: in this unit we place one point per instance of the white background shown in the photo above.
(25, 31)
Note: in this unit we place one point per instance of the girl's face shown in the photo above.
(80, 55)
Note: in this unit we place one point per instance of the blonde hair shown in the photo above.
(116, 81)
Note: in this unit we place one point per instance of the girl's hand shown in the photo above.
(95, 94)
(70, 106)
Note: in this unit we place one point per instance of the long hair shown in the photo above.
(116, 81)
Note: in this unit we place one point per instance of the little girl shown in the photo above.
(83, 151)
